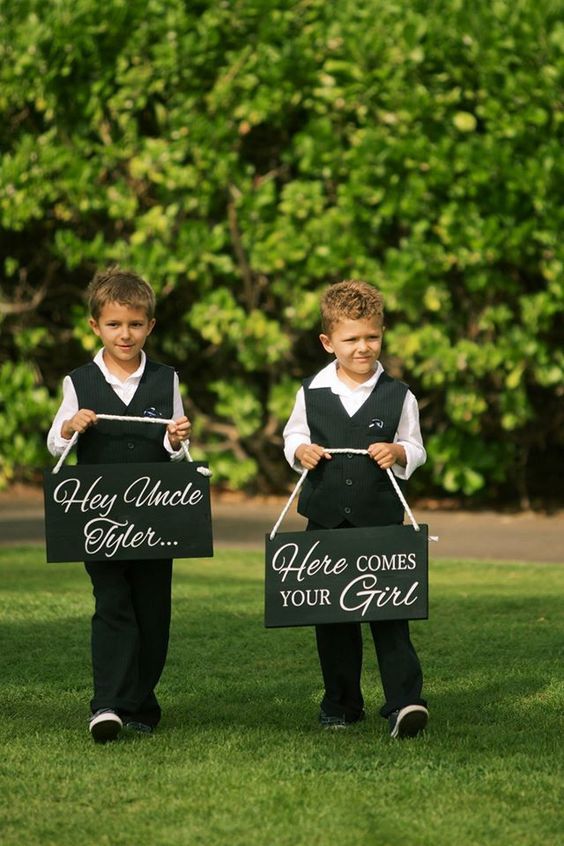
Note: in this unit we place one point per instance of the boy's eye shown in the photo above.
(356, 340)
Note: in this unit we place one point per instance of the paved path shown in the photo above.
(243, 524)
(462, 534)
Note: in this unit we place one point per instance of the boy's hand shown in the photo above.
(179, 431)
(82, 420)
(386, 455)
(309, 455)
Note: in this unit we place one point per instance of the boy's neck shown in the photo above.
(122, 370)
(350, 381)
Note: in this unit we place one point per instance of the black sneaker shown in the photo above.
(328, 721)
(137, 727)
(105, 725)
(408, 721)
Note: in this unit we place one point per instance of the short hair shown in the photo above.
(125, 287)
(352, 299)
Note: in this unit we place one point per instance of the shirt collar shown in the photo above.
(113, 380)
(328, 378)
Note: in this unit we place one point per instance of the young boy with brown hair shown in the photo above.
(130, 626)
(353, 403)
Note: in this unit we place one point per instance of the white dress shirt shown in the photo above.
(125, 390)
(408, 434)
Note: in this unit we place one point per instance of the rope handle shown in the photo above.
(391, 477)
(204, 471)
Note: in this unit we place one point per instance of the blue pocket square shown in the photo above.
(151, 412)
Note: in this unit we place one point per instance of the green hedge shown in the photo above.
(244, 154)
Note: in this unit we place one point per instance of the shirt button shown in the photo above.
(348, 481)
(347, 510)
(131, 446)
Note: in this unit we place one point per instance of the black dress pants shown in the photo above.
(339, 646)
(130, 631)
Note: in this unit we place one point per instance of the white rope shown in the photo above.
(293, 495)
(301, 480)
(126, 419)
(403, 500)
(66, 451)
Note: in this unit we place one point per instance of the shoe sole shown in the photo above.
(105, 728)
(411, 720)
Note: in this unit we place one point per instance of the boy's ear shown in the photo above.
(152, 322)
(94, 326)
(326, 343)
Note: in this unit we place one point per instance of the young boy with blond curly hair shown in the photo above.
(353, 403)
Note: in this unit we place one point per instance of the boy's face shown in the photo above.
(357, 345)
(123, 330)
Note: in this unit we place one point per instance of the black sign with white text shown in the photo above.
(346, 575)
(120, 512)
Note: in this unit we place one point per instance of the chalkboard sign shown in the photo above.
(120, 512)
(346, 575)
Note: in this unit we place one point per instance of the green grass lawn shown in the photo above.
(239, 759)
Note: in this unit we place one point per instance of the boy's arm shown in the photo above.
(296, 431)
(407, 450)
(298, 448)
(68, 420)
(180, 429)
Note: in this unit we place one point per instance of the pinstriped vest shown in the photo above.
(112, 442)
(352, 487)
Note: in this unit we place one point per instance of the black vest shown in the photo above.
(112, 442)
(352, 487)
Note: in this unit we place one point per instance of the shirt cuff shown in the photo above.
(411, 462)
(290, 446)
(178, 455)
(57, 444)
(175, 454)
